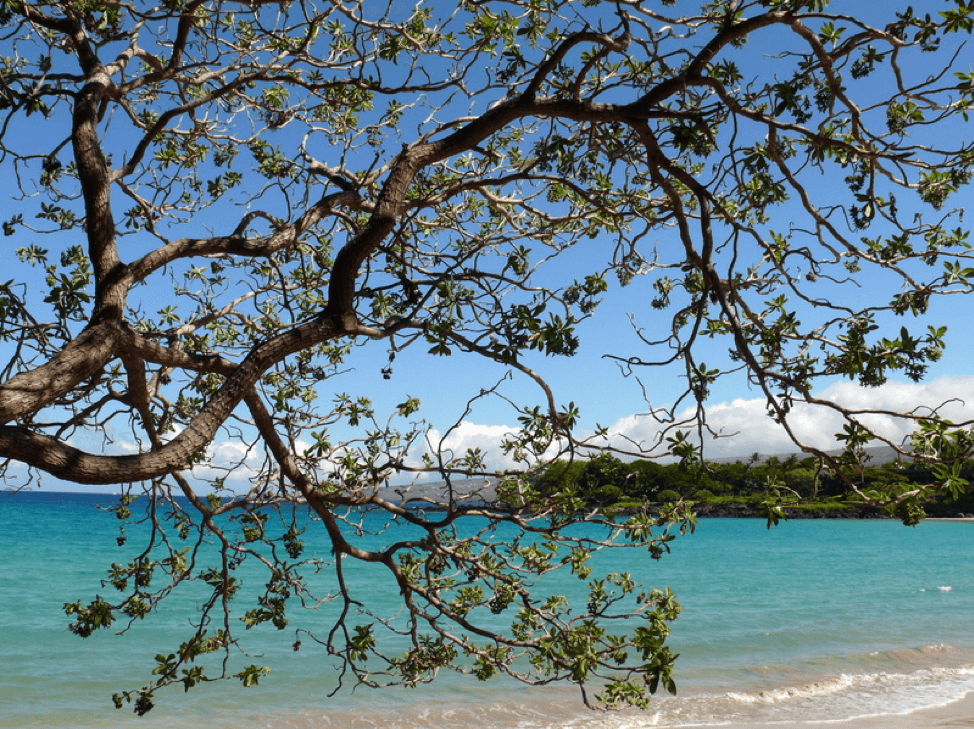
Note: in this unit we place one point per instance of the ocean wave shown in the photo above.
(849, 683)
(844, 696)
(789, 693)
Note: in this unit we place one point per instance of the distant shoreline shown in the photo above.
(703, 510)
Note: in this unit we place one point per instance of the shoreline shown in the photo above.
(955, 713)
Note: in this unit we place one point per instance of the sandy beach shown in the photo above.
(949, 518)
(956, 714)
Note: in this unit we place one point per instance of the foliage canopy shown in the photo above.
(218, 205)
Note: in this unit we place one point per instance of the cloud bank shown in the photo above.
(745, 428)
(743, 425)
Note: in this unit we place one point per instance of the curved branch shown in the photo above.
(27, 392)
(64, 461)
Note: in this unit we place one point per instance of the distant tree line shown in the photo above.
(608, 481)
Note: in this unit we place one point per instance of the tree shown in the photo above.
(242, 197)
(603, 479)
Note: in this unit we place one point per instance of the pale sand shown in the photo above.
(958, 714)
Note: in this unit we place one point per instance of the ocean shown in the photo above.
(814, 620)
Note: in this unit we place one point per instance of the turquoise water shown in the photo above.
(812, 620)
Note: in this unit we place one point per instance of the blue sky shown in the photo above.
(595, 383)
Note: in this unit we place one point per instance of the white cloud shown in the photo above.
(472, 436)
(468, 436)
(748, 428)
(744, 423)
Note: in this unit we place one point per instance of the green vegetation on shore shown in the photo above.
(748, 487)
